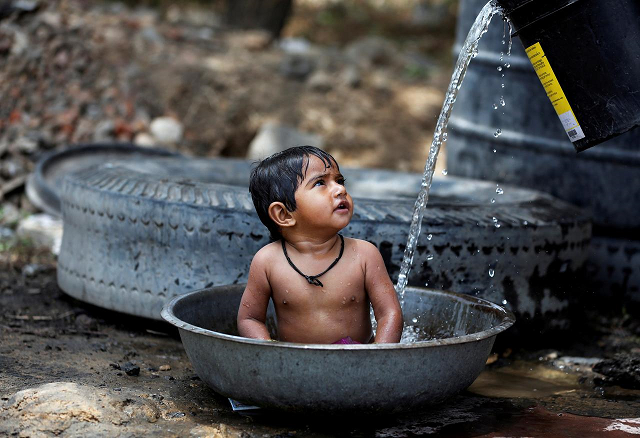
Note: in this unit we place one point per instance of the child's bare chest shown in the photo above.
(343, 285)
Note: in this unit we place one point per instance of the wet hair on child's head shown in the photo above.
(276, 179)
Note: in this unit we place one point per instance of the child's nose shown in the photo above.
(339, 189)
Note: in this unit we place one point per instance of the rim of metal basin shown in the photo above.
(506, 316)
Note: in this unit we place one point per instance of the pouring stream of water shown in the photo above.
(469, 50)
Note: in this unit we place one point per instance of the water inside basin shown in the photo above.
(460, 331)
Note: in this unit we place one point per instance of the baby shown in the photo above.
(321, 283)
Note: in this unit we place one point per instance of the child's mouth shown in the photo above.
(342, 206)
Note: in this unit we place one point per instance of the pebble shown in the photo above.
(26, 144)
(165, 367)
(131, 369)
(297, 66)
(320, 81)
(166, 130)
(9, 214)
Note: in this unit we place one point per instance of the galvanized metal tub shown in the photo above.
(384, 378)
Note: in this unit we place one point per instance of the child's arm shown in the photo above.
(252, 313)
(382, 296)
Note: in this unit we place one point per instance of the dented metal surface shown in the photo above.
(369, 378)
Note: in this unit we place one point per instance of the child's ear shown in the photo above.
(280, 215)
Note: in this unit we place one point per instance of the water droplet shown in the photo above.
(497, 225)
(502, 102)
(499, 68)
(493, 200)
(504, 302)
(430, 257)
(284, 301)
(494, 151)
(444, 136)
(429, 236)
(426, 283)
(499, 191)
(497, 133)
(502, 85)
(491, 273)
(495, 106)
(525, 222)
(414, 320)
(444, 172)
(507, 65)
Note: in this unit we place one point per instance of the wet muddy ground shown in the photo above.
(84, 371)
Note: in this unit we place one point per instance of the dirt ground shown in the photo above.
(85, 371)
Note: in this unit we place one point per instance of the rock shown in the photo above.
(150, 34)
(6, 233)
(31, 269)
(623, 370)
(220, 431)
(295, 45)
(371, 51)
(11, 168)
(86, 322)
(43, 230)
(351, 77)
(320, 81)
(73, 411)
(165, 367)
(130, 368)
(297, 66)
(253, 40)
(9, 214)
(144, 139)
(105, 130)
(166, 130)
(27, 144)
(430, 14)
(274, 137)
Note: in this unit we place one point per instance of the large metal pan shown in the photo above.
(340, 378)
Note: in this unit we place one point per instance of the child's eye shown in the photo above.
(341, 181)
(319, 183)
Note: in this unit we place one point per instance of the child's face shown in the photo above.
(321, 198)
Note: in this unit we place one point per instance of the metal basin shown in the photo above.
(340, 378)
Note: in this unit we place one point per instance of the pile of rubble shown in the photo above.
(76, 72)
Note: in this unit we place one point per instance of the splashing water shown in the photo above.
(469, 50)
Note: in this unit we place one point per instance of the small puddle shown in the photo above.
(524, 380)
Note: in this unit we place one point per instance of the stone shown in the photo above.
(27, 144)
(104, 131)
(320, 81)
(166, 130)
(66, 409)
(144, 139)
(165, 367)
(351, 76)
(297, 66)
(11, 168)
(371, 51)
(9, 214)
(295, 45)
(43, 230)
(130, 368)
(274, 137)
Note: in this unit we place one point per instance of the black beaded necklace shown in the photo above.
(313, 279)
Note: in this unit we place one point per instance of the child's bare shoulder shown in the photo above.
(266, 253)
(367, 249)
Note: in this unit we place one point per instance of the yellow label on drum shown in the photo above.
(554, 92)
